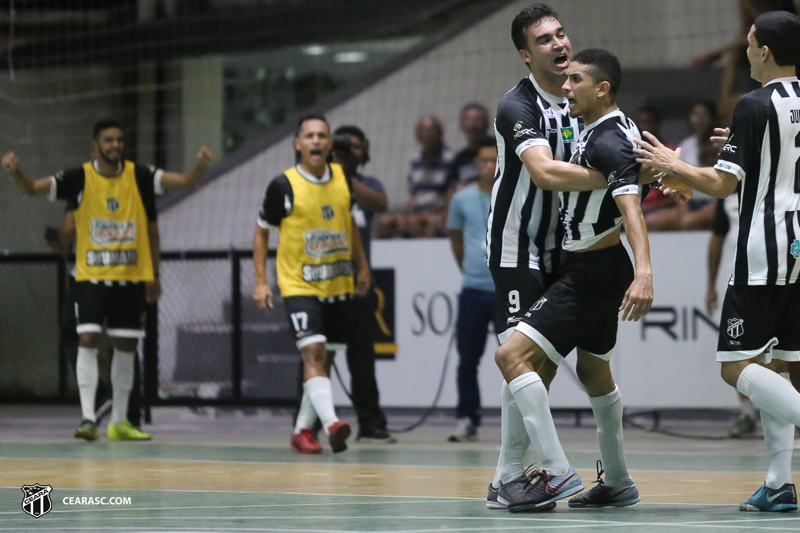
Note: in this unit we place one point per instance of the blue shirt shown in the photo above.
(469, 213)
(363, 215)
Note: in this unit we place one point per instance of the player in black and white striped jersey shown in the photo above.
(761, 311)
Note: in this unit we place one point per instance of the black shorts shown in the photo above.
(314, 320)
(120, 307)
(515, 289)
(581, 309)
(757, 317)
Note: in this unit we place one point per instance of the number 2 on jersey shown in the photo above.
(513, 299)
(300, 321)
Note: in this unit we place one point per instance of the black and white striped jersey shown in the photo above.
(606, 146)
(763, 152)
(523, 220)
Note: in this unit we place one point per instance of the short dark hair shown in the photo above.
(306, 118)
(104, 124)
(780, 31)
(530, 15)
(486, 142)
(603, 66)
(476, 106)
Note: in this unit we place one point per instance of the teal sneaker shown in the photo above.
(770, 500)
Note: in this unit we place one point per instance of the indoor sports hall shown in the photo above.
(204, 430)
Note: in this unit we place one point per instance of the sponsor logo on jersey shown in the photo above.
(526, 131)
(612, 177)
(730, 148)
(36, 500)
(795, 116)
(105, 231)
(112, 204)
(322, 242)
(327, 212)
(327, 271)
(518, 126)
(568, 134)
(539, 303)
(795, 249)
(549, 113)
(111, 258)
(735, 328)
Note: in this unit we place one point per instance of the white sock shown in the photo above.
(746, 407)
(87, 374)
(321, 395)
(121, 384)
(306, 416)
(607, 411)
(779, 438)
(770, 392)
(513, 440)
(534, 404)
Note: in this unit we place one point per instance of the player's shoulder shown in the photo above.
(520, 99)
(72, 173)
(281, 181)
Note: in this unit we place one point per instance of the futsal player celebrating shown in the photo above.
(117, 259)
(760, 319)
(309, 205)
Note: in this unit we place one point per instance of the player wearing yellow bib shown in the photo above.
(309, 205)
(117, 260)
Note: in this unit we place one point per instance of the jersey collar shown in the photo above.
(96, 167)
(312, 178)
(555, 101)
(787, 79)
(615, 113)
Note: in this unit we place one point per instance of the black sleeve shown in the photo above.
(612, 155)
(520, 123)
(721, 223)
(144, 181)
(69, 185)
(278, 202)
(743, 149)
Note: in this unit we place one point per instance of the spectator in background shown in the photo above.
(428, 185)
(351, 151)
(647, 118)
(697, 150)
(466, 226)
(473, 123)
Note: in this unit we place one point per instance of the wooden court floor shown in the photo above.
(217, 472)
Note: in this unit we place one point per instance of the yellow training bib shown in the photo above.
(111, 229)
(314, 255)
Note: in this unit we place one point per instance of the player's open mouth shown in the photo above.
(316, 152)
(562, 61)
(572, 103)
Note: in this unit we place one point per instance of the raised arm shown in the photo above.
(639, 296)
(27, 185)
(551, 175)
(187, 180)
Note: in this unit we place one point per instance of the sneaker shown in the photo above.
(744, 426)
(125, 431)
(495, 501)
(602, 495)
(376, 435)
(337, 435)
(772, 500)
(465, 431)
(87, 430)
(304, 442)
(492, 501)
(539, 489)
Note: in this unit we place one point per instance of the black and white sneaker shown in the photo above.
(375, 435)
(536, 490)
(601, 495)
(492, 501)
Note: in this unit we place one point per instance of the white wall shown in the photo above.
(480, 65)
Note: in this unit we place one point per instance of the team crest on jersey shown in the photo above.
(568, 134)
(322, 242)
(327, 212)
(36, 500)
(735, 328)
(795, 249)
(112, 204)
